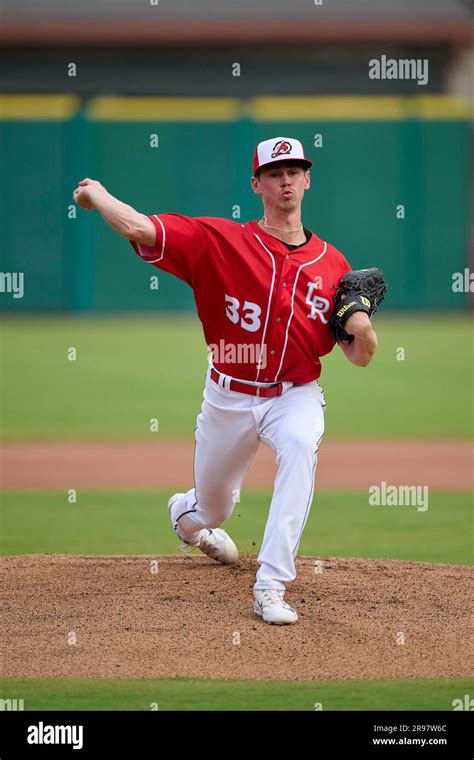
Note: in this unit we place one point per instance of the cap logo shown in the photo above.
(282, 147)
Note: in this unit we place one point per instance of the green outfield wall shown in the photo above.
(390, 187)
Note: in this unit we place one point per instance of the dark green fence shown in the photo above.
(377, 155)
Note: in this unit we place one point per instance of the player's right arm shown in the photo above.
(172, 242)
(124, 219)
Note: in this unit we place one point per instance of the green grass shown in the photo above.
(131, 369)
(340, 524)
(195, 694)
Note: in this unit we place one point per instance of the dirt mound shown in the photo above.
(186, 615)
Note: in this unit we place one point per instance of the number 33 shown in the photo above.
(250, 313)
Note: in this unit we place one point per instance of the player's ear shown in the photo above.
(307, 179)
(255, 184)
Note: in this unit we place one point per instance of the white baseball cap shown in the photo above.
(279, 149)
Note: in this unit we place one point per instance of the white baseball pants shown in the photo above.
(229, 430)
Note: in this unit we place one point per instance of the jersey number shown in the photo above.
(249, 315)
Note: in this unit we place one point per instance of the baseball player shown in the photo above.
(265, 294)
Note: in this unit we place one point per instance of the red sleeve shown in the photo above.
(345, 267)
(180, 240)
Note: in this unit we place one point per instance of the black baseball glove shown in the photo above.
(360, 290)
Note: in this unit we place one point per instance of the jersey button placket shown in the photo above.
(288, 272)
(281, 305)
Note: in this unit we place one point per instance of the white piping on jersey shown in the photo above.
(293, 303)
(269, 300)
(153, 261)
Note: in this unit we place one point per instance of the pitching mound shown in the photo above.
(142, 616)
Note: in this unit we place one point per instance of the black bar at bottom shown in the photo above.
(120, 734)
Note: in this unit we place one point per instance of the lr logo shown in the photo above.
(319, 305)
(463, 704)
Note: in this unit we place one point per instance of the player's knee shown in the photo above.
(216, 509)
(216, 518)
(301, 442)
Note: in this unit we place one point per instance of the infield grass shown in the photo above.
(341, 524)
(194, 694)
(129, 369)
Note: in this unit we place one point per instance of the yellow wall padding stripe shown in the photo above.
(364, 107)
(38, 107)
(441, 107)
(280, 109)
(163, 109)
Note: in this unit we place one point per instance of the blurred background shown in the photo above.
(165, 101)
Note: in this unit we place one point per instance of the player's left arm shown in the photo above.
(361, 350)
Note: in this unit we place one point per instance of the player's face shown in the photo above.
(282, 186)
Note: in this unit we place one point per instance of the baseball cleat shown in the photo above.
(215, 543)
(218, 545)
(270, 605)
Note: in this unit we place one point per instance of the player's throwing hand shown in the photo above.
(83, 194)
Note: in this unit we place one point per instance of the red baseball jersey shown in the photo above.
(265, 309)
